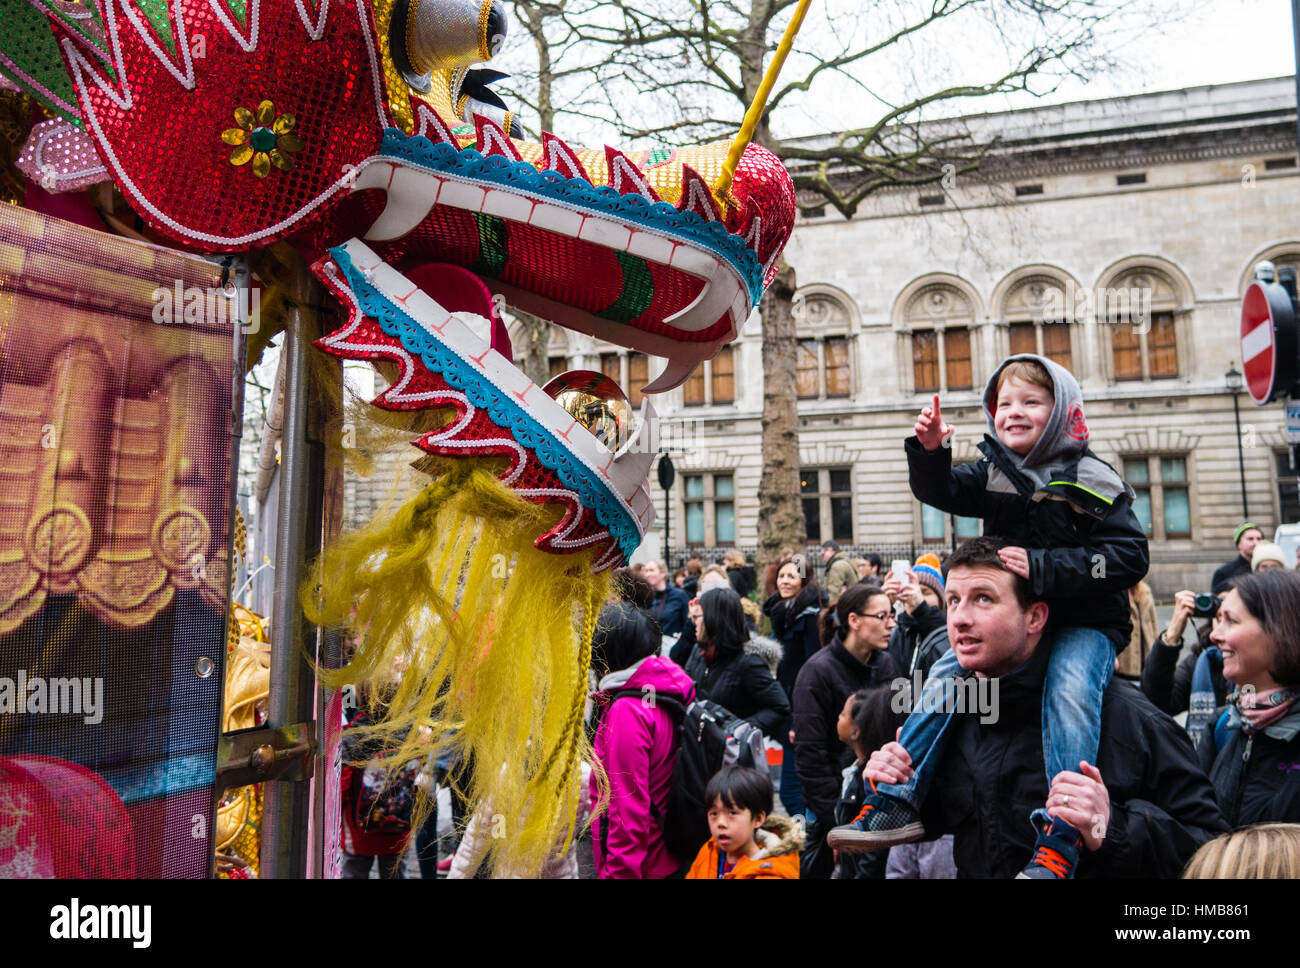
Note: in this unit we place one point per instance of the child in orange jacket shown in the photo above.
(747, 843)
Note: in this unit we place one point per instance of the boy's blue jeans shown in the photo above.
(1078, 672)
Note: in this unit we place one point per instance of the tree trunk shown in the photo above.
(780, 513)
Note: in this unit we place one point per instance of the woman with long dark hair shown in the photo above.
(725, 672)
(793, 610)
(1251, 750)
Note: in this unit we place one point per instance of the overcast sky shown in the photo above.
(1201, 43)
(1196, 42)
(1225, 41)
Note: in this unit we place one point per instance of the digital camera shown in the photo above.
(1206, 606)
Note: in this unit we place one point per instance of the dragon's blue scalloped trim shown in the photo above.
(521, 177)
(504, 412)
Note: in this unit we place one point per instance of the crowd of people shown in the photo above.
(1013, 710)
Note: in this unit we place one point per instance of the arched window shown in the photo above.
(824, 322)
(1283, 254)
(1138, 307)
(939, 318)
(1038, 310)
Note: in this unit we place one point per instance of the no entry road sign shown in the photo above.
(1268, 341)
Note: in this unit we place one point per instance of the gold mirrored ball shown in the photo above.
(596, 402)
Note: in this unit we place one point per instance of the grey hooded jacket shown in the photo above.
(1070, 511)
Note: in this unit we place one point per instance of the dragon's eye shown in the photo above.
(445, 34)
(596, 402)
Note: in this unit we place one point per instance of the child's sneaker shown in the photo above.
(1056, 853)
(882, 822)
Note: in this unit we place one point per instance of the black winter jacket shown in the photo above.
(685, 644)
(919, 640)
(825, 681)
(991, 778)
(1256, 779)
(795, 626)
(669, 608)
(744, 685)
(1235, 568)
(1083, 554)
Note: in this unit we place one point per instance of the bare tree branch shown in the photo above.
(683, 71)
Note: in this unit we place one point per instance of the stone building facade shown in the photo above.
(1116, 236)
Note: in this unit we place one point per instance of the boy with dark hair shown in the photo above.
(747, 842)
(1072, 537)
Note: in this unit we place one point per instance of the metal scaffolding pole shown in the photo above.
(284, 836)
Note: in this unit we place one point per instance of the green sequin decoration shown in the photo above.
(27, 40)
(493, 245)
(158, 13)
(658, 157)
(638, 290)
(461, 130)
(239, 8)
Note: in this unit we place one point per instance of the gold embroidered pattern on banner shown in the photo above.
(114, 438)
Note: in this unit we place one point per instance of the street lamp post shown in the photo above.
(667, 473)
(1233, 380)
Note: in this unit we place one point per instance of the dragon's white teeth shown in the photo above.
(714, 299)
(411, 196)
(674, 375)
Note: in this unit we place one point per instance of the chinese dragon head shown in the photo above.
(359, 132)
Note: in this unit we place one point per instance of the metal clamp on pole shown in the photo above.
(258, 755)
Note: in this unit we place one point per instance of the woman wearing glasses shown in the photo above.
(854, 658)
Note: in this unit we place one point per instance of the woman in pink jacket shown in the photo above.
(635, 743)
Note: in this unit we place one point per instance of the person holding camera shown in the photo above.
(1169, 683)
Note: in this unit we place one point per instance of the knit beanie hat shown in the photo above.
(927, 572)
(1267, 551)
(1242, 529)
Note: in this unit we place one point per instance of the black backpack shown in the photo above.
(709, 737)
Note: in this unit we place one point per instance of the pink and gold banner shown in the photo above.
(115, 470)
